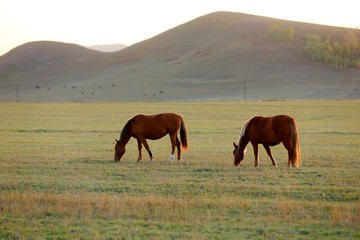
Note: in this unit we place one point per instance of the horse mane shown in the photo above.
(126, 129)
(243, 132)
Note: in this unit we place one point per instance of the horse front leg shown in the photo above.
(144, 142)
(139, 147)
(267, 148)
(256, 153)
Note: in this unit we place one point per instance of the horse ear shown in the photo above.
(116, 140)
(235, 146)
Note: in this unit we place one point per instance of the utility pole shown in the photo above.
(244, 91)
(17, 93)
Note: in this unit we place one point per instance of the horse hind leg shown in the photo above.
(268, 150)
(178, 145)
(291, 154)
(173, 144)
(292, 157)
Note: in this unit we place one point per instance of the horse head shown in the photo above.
(119, 151)
(239, 153)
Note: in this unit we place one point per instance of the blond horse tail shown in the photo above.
(296, 156)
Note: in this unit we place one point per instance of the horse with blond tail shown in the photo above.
(269, 131)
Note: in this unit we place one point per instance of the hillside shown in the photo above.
(208, 58)
(37, 65)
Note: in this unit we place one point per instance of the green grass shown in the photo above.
(58, 179)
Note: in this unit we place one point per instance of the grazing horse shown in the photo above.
(153, 127)
(269, 131)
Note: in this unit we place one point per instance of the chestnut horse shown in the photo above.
(269, 131)
(153, 127)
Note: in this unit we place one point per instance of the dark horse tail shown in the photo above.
(295, 156)
(183, 135)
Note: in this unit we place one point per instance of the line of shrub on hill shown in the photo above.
(337, 54)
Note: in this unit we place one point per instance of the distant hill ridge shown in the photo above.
(208, 58)
(40, 52)
(107, 47)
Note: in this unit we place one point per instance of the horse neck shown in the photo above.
(124, 139)
(243, 142)
(244, 139)
(126, 133)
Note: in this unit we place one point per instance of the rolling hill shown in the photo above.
(208, 58)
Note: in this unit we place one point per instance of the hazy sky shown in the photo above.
(89, 22)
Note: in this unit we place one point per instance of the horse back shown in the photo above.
(281, 125)
(271, 130)
(156, 126)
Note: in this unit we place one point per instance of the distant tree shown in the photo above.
(336, 47)
(326, 38)
(289, 34)
(355, 63)
(344, 50)
(352, 40)
(329, 48)
(278, 33)
(312, 38)
(275, 31)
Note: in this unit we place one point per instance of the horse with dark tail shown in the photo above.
(183, 135)
(142, 127)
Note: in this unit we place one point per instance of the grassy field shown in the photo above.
(58, 179)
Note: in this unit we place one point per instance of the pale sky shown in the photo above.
(89, 22)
